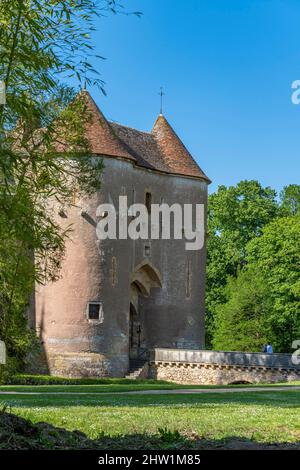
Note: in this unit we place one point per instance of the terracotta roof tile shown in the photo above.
(100, 135)
(160, 150)
(176, 156)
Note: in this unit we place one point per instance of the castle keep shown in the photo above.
(118, 299)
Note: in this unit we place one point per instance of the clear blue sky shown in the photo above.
(227, 68)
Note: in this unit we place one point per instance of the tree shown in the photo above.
(235, 215)
(290, 199)
(240, 322)
(43, 150)
(276, 255)
(263, 302)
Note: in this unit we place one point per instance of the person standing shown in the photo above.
(269, 349)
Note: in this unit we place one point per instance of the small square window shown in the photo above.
(147, 250)
(94, 311)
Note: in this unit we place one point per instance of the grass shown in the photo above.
(256, 417)
(40, 383)
(30, 379)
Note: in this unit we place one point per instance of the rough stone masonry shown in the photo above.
(118, 299)
(221, 368)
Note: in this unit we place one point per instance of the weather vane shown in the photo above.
(161, 93)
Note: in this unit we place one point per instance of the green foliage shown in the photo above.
(235, 215)
(263, 302)
(253, 268)
(43, 151)
(240, 322)
(42, 42)
(290, 199)
(169, 436)
(276, 255)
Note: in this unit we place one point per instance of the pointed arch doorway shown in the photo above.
(144, 277)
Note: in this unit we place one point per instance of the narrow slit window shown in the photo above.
(161, 219)
(188, 284)
(148, 202)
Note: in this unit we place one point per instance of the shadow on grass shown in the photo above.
(19, 434)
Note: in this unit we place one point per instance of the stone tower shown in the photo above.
(117, 299)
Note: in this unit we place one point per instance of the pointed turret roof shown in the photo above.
(176, 155)
(160, 150)
(99, 133)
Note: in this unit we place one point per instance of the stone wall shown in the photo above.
(85, 365)
(221, 368)
(101, 271)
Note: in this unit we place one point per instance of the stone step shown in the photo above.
(135, 368)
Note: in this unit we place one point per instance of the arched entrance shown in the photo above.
(143, 279)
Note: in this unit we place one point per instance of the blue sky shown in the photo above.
(226, 67)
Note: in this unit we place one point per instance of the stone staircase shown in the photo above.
(138, 369)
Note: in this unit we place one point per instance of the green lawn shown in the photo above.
(155, 420)
(124, 385)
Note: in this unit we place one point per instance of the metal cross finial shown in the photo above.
(161, 93)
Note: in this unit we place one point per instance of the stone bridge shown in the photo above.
(221, 368)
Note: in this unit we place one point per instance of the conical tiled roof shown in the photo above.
(160, 150)
(100, 135)
(177, 157)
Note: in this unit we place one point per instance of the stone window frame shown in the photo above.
(100, 319)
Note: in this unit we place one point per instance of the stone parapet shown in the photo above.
(223, 358)
(221, 368)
